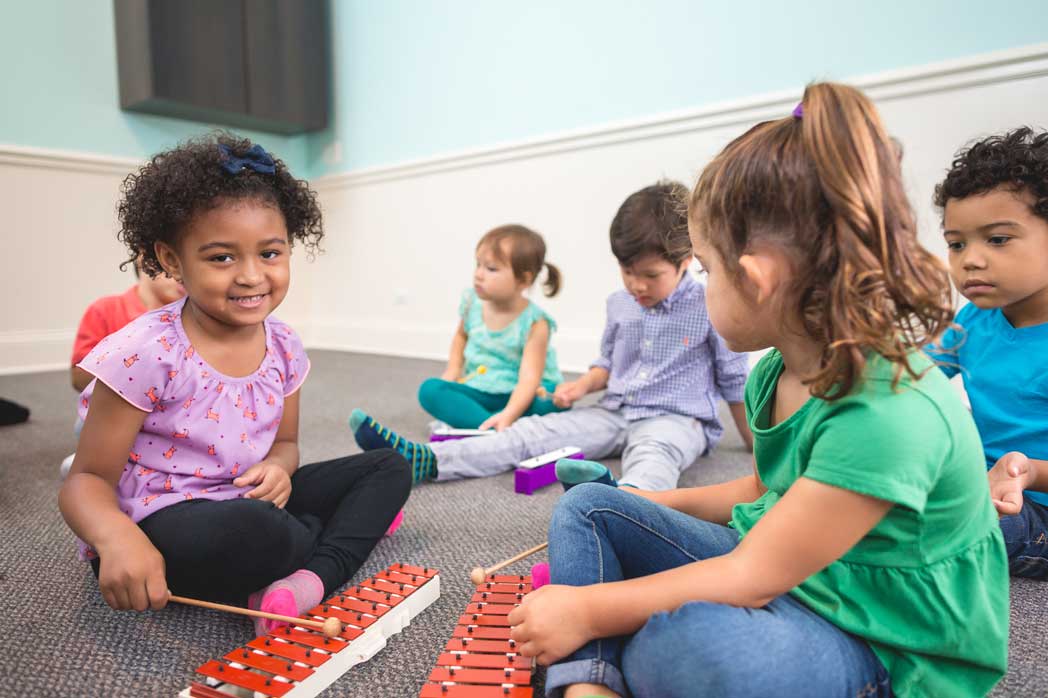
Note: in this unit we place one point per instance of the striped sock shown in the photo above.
(371, 435)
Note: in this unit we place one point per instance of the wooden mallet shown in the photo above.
(331, 627)
(478, 574)
(481, 370)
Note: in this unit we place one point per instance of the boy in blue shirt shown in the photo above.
(995, 221)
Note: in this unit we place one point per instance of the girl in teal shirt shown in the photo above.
(502, 364)
(862, 557)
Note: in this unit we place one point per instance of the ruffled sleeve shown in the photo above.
(140, 361)
(291, 356)
(901, 466)
(466, 302)
(537, 313)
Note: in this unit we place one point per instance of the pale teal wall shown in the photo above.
(417, 78)
(58, 83)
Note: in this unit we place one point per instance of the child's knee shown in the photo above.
(684, 643)
(396, 467)
(583, 498)
(429, 392)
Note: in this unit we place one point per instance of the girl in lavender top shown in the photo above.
(186, 477)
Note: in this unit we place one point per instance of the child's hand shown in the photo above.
(498, 421)
(274, 484)
(551, 623)
(1008, 478)
(449, 376)
(567, 393)
(132, 575)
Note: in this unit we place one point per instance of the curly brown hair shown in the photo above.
(825, 187)
(176, 185)
(1017, 160)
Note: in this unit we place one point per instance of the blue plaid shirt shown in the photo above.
(668, 359)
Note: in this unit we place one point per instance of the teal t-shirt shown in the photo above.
(500, 351)
(927, 587)
(1005, 372)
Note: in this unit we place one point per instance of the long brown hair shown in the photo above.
(824, 185)
(526, 254)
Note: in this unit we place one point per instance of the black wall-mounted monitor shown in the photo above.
(260, 64)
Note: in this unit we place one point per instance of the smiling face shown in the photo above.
(234, 262)
(998, 253)
(650, 279)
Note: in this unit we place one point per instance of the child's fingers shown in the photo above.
(528, 649)
(251, 477)
(139, 596)
(122, 598)
(263, 491)
(112, 599)
(1005, 507)
(157, 591)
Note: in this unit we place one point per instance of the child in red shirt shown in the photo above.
(110, 313)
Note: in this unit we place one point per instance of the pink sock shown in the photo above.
(291, 596)
(397, 520)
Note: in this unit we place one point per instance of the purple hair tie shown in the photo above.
(798, 111)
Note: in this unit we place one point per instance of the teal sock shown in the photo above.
(371, 435)
(572, 471)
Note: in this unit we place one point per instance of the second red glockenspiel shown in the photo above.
(480, 661)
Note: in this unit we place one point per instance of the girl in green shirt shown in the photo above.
(862, 557)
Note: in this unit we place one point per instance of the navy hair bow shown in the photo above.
(256, 158)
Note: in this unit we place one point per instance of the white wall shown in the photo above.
(400, 239)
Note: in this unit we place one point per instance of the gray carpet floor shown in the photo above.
(58, 638)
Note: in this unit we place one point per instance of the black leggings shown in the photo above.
(338, 510)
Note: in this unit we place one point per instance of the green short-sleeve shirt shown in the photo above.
(500, 351)
(927, 588)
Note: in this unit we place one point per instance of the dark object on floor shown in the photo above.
(12, 413)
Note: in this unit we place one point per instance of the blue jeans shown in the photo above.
(1026, 538)
(602, 534)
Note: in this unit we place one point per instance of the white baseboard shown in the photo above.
(34, 352)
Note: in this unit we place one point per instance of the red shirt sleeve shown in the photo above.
(91, 331)
(104, 317)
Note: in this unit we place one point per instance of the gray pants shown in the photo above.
(655, 451)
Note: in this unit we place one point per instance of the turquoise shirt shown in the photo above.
(1005, 372)
(500, 351)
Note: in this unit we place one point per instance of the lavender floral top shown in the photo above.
(203, 428)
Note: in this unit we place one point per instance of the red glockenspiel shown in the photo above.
(480, 661)
(299, 662)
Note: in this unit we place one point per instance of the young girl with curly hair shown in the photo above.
(186, 478)
(862, 557)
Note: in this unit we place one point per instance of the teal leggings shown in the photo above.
(464, 407)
